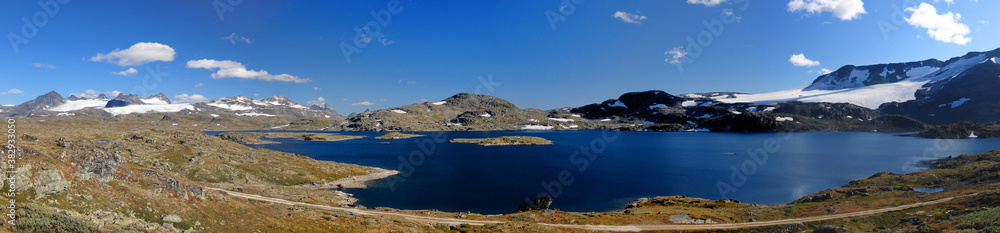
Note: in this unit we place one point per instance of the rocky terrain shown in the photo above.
(503, 141)
(142, 173)
(660, 111)
(256, 138)
(963, 130)
(53, 104)
(463, 112)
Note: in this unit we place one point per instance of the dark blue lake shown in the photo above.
(603, 170)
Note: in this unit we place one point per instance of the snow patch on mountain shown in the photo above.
(398, 111)
(254, 114)
(689, 103)
(959, 102)
(148, 108)
(234, 107)
(866, 96)
(74, 105)
(536, 127)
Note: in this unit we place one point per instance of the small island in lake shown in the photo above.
(398, 135)
(255, 137)
(504, 141)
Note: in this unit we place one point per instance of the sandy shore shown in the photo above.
(351, 182)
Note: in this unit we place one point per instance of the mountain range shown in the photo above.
(892, 96)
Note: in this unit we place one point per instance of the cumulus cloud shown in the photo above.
(129, 71)
(318, 101)
(843, 9)
(199, 85)
(233, 38)
(363, 103)
(185, 98)
(945, 27)
(629, 17)
(232, 69)
(14, 91)
(92, 94)
(43, 65)
(709, 3)
(675, 55)
(801, 60)
(140, 53)
(317, 88)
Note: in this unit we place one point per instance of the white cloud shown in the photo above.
(92, 93)
(199, 85)
(318, 101)
(140, 53)
(944, 28)
(185, 98)
(129, 71)
(628, 17)
(843, 9)
(363, 103)
(43, 65)
(801, 60)
(675, 55)
(232, 69)
(709, 3)
(233, 38)
(14, 91)
(821, 71)
(984, 22)
(317, 88)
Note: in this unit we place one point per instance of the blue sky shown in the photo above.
(537, 54)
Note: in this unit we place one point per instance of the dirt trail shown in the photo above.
(440, 220)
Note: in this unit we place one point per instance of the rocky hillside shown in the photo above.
(963, 130)
(53, 104)
(464, 112)
(971, 95)
(274, 106)
(660, 111)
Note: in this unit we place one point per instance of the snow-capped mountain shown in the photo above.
(267, 107)
(277, 106)
(873, 85)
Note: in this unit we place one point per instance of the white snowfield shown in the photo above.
(536, 127)
(148, 108)
(152, 106)
(399, 111)
(865, 96)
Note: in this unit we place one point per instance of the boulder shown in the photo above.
(637, 202)
(50, 182)
(541, 203)
(172, 218)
